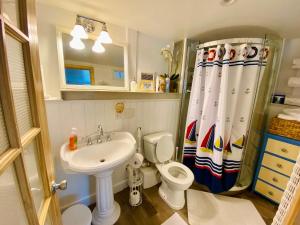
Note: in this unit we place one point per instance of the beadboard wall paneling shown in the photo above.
(151, 115)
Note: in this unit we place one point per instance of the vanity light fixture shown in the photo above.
(85, 25)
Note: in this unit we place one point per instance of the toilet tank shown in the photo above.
(150, 142)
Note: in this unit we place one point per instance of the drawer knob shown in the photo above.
(284, 150)
(274, 179)
(270, 193)
(279, 165)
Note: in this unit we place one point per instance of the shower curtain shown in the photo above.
(222, 95)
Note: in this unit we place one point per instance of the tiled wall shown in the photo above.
(151, 115)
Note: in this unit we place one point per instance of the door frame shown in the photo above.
(26, 34)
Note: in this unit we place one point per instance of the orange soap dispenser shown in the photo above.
(73, 139)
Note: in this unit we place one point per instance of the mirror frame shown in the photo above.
(61, 65)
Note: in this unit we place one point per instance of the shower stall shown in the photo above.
(266, 79)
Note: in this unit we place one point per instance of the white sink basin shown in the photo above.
(100, 160)
(92, 159)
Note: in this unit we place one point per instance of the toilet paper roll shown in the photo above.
(135, 197)
(137, 160)
(294, 82)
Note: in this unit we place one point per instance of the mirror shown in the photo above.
(86, 69)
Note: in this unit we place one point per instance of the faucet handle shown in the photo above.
(100, 129)
(89, 141)
(108, 137)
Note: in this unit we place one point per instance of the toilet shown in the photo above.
(78, 214)
(176, 177)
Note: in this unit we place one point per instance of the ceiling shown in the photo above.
(175, 19)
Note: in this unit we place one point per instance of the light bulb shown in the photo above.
(76, 43)
(104, 36)
(98, 47)
(79, 32)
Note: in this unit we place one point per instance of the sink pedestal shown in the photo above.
(107, 210)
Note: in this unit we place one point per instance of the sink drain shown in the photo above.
(101, 160)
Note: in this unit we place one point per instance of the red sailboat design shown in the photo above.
(190, 136)
(227, 149)
(207, 144)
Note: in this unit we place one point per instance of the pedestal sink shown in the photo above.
(100, 160)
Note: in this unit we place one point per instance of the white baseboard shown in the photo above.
(90, 199)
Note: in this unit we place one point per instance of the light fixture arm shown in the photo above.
(88, 18)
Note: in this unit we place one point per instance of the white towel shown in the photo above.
(292, 101)
(292, 112)
(294, 82)
(287, 117)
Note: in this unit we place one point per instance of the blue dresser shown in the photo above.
(275, 166)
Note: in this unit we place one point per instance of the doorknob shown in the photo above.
(61, 186)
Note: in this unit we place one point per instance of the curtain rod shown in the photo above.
(232, 41)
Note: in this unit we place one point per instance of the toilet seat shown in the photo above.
(177, 173)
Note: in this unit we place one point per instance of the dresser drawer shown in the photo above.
(268, 191)
(272, 177)
(278, 164)
(283, 149)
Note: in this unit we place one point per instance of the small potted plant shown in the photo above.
(172, 62)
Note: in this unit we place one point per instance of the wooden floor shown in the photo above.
(154, 211)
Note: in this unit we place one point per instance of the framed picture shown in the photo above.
(147, 82)
(278, 99)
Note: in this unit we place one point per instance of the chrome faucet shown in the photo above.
(100, 133)
(89, 141)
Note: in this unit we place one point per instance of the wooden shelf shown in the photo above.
(108, 95)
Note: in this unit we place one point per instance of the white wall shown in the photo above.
(151, 115)
(147, 52)
(291, 51)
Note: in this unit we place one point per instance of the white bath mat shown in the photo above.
(175, 219)
(209, 209)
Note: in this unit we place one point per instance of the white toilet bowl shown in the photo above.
(176, 178)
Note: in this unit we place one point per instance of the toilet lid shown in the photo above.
(164, 148)
(77, 215)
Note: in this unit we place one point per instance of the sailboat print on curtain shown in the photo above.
(191, 140)
(191, 133)
(194, 111)
(207, 143)
(221, 100)
(239, 143)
